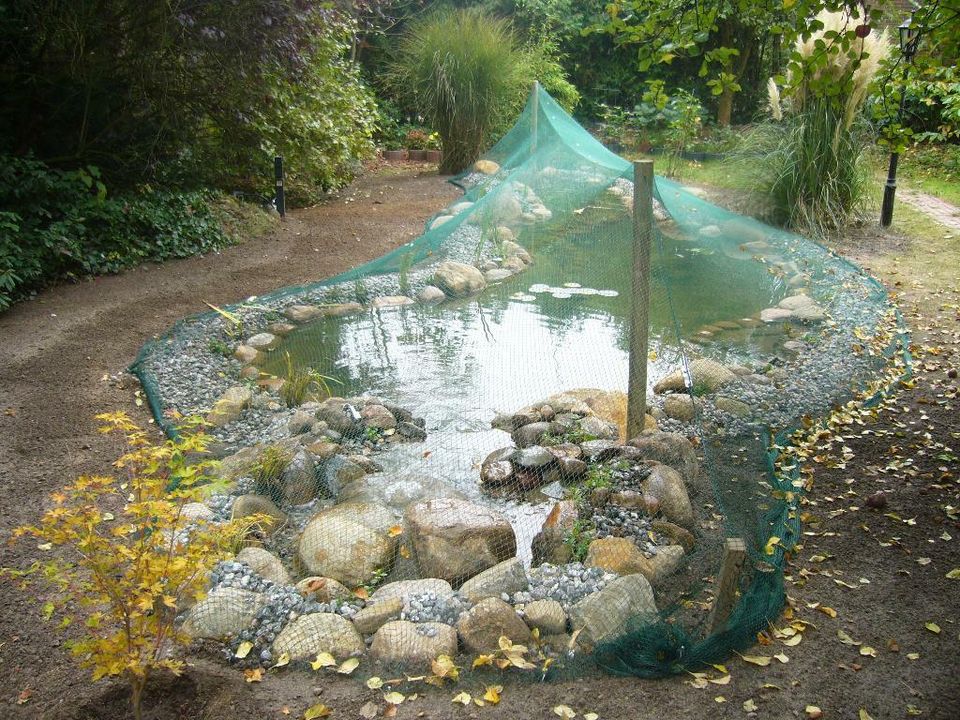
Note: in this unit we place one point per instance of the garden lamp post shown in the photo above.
(909, 38)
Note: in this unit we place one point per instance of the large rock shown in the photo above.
(680, 407)
(506, 577)
(531, 433)
(403, 589)
(487, 167)
(455, 539)
(373, 617)
(230, 406)
(708, 376)
(623, 557)
(349, 542)
(309, 635)
(413, 644)
(223, 613)
(547, 616)
(337, 474)
(265, 564)
(431, 294)
(323, 590)
(481, 627)
(378, 417)
(391, 301)
(604, 615)
(670, 449)
(298, 481)
(666, 486)
(458, 279)
(333, 412)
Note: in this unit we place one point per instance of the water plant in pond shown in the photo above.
(300, 382)
(406, 262)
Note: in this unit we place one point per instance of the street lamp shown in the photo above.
(909, 38)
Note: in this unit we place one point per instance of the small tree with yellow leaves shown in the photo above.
(129, 558)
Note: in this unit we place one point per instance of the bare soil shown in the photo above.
(57, 356)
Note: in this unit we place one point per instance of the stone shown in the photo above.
(512, 249)
(487, 167)
(340, 309)
(230, 406)
(566, 450)
(796, 302)
(261, 340)
(391, 301)
(708, 376)
(197, 512)
(535, 457)
(302, 313)
(599, 450)
(481, 627)
(281, 328)
(403, 589)
(772, 315)
(332, 411)
(670, 449)
(411, 431)
(680, 407)
(530, 433)
(265, 564)
(410, 644)
(365, 463)
(298, 481)
(605, 614)
(349, 542)
(496, 275)
(497, 473)
(623, 557)
(250, 373)
(506, 577)
(732, 406)
(513, 265)
(600, 429)
(323, 589)
(251, 504)
(378, 417)
(245, 354)
(373, 617)
(396, 493)
(547, 616)
(323, 449)
(309, 635)
(459, 207)
(666, 486)
(223, 613)
(455, 539)
(458, 279)
(300, 422)
(337, 473)
(440, 220)
(548, 546)
(431, 294)
(681, 536)
(571, 468)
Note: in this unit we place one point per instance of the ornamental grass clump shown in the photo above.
(123, 558)
(815, 176)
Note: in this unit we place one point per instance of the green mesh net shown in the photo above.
(441, 434)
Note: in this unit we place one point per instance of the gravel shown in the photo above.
(567, 584)
(431, 607)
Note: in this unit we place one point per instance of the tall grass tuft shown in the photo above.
(813, 149)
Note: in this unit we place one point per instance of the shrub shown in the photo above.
(128, 559)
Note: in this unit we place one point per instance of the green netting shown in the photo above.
(459, 471)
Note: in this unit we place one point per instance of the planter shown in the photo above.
(434, 156)
(394, 155)
(417, 155)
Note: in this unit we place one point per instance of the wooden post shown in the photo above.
(640, 296)
(534, 114)
(279, 198)
(734, 554)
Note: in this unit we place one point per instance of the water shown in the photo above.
(459, 363)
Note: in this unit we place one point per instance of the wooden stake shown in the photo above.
(640, 298)
(534, 115)
(734, 555)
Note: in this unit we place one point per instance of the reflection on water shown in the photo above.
(458, 363)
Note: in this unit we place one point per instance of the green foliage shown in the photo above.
(682, 130)
(578, 539)
(302, 383)
(469, 76)
(268, 470)
(127, 559)
(62, 224)
(219, 347)
(598, 477)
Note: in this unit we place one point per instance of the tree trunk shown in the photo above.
(725, 108)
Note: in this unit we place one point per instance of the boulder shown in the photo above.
(600, 429)
(230, 406)
(323, 590)
(332, 411)
(506, 577)
(302, 313)
(511, 249)
(534, 457)
(680, 407)
(300, 422)
(309, 635)
(261, 340)
(681, 536)
(458, 279)
(497, 275)
(281, 328)
(340, 309)
(497, 473)
(708, 376)
(548, 546)
(411, 431)
(773, 315)
(599, 450)
(413, 644)
(373, 617)
(265, 564)
(391, 301)
(440, 220)
(197, 512)
(403, 589)
(605, 614)
(378, 417)
(732, 406)
(323, 449)
(245, 354)
(530, 433)
(666, 486)
(455, 539)
(623, 557)
(481, 627)
(337, 474)
(396, 493)
(349, 542)
(298, 481)
(670, 449)
(431, 294)
(487, 167)
(223, 613)
(547, 616)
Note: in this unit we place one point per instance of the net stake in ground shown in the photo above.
(734, 552)
(640, 297)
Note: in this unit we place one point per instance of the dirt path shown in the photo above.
(883, 571)
(940, 210)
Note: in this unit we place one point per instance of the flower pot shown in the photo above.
(394, 155)
(434, 156)
(417, 155)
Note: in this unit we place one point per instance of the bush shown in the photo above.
(56, 224)
(469, 76)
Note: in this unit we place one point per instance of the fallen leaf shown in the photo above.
(492, 695)
(725, 680)
(285, 709)
(369, 710)
(793, 641)
(864, 715)
(749, 706)
(348, 666)
(954, 574)
(782, 658)
(564, 711)
(813, 712)
(254, 675)
(243, 649)
(924, 561)
(24, 696)
(846, 639)
(913, 656)
(719, 699)
(394, 698)
(323, 659)
(462, 698)
(316, 711)
(395, 530)
(374, 683)
(933, 627)
(591, 716)
(867, 651)
(760, 660)
(828, 611)
(284, 659)
(481, 660)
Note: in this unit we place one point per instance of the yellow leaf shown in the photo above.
(462, 698)
(782, 658)
(481, 660)
(719, 699)
(913, 656)
(255, 675)
(374, 683)
(868, 651)
(394, 698)
(492, 695)
(592, 715)
(846, 639)
(45, 546)
(933, 627)
(564, 711)
(348, 666)
(749, 706)
(284, 659)
(771, 543)
(813, 712)
(243, 649)
(720, 668)
(793, 641)
(505, 643)
(316, 711)
(324, 659)
(864, 715)
(395, 530)
(829, 611)
(725, 680)
(404, 552)
(760, 660)
(954, 574)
